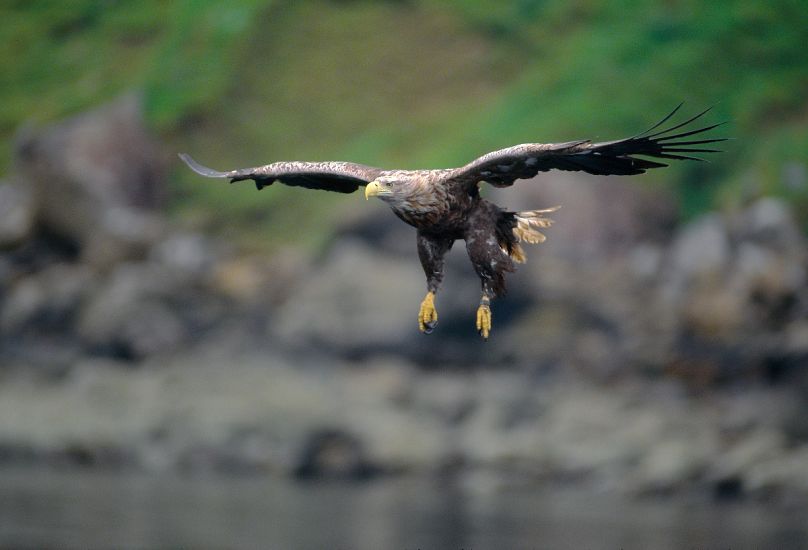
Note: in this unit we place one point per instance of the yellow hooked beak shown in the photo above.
(372, 189)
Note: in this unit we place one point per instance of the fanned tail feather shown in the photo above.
(526, 229)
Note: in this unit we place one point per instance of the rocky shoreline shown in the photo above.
(634, 352)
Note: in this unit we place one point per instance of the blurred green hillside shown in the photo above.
(416, 83)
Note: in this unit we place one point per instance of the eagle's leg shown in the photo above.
(431, 251)
(489, 259)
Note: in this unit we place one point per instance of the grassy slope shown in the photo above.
(413, 84)
(58, 58)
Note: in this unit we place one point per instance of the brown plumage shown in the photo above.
(445, 205)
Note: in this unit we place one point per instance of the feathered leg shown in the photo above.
(431, 251)
(489, 259)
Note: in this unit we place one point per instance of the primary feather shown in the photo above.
(621, 157)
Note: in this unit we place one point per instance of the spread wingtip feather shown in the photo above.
(199, 169)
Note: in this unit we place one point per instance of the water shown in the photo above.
(105, 510)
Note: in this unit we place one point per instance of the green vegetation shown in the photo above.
(416, 84)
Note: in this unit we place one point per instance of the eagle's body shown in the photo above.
(433, 201)
(445, 205)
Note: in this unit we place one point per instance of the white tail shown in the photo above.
(526, 230)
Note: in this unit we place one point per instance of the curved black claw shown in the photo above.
(429, 326)
(428, 316)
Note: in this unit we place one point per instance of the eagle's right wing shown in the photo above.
(342, 177)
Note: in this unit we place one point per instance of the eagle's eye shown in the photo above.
(389, 183)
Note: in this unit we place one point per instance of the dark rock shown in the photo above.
(333, 453)
(729, 488)
(92, 456)
(40, 251)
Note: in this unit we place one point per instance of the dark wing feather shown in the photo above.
(342, 177)
(501, 168)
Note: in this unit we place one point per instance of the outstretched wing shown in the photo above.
(501, 168)
(342, 177)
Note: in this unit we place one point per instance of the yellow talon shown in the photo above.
(484, 321)
(428, 316)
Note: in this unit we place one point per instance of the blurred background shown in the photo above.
(189, 364)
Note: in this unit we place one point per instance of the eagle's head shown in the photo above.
(391, 188)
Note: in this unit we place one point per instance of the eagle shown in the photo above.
(445, 205)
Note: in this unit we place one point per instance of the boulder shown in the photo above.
(97, 179)
(47, 300)
(192, 255)
(357, 298)
(700, 250)
(769, 221)
(136, 312)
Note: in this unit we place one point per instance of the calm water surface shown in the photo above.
(104, 510)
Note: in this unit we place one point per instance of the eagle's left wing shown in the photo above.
(342, 177)
(501, 168)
